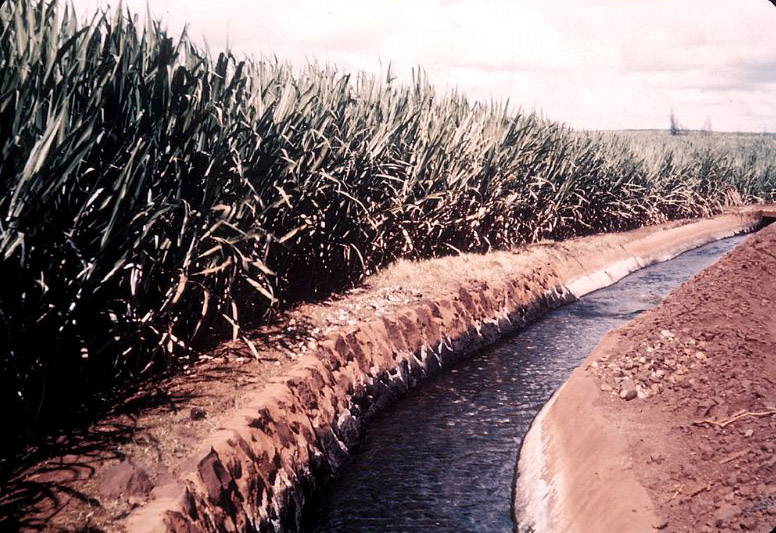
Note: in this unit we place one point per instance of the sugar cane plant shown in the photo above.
(156, 198)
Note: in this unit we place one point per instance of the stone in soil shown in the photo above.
(125, 479)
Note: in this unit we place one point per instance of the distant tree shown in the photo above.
(706, 129)
(674, 126)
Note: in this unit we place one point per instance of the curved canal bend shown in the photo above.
(442, 458)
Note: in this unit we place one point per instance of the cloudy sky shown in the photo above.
(596, 64)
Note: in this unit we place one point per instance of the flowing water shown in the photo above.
(442, 458)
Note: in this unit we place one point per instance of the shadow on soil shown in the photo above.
(39, 482)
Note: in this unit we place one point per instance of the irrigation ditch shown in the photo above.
(261, 469)
(442, 457)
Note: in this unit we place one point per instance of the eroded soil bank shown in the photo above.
(669, 425)
(242, 440)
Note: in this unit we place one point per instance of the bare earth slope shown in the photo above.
(694, 450)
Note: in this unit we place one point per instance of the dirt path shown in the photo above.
(682, 402)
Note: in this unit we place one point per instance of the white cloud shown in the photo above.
(593, 64)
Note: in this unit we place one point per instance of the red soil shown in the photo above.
(701, 434)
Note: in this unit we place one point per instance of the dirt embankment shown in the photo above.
(242, 440)
(670, 424)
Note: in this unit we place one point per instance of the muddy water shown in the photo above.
(442, 458)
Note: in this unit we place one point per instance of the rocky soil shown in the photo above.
(696, 380)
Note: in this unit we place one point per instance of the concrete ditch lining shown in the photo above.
(260, 469)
